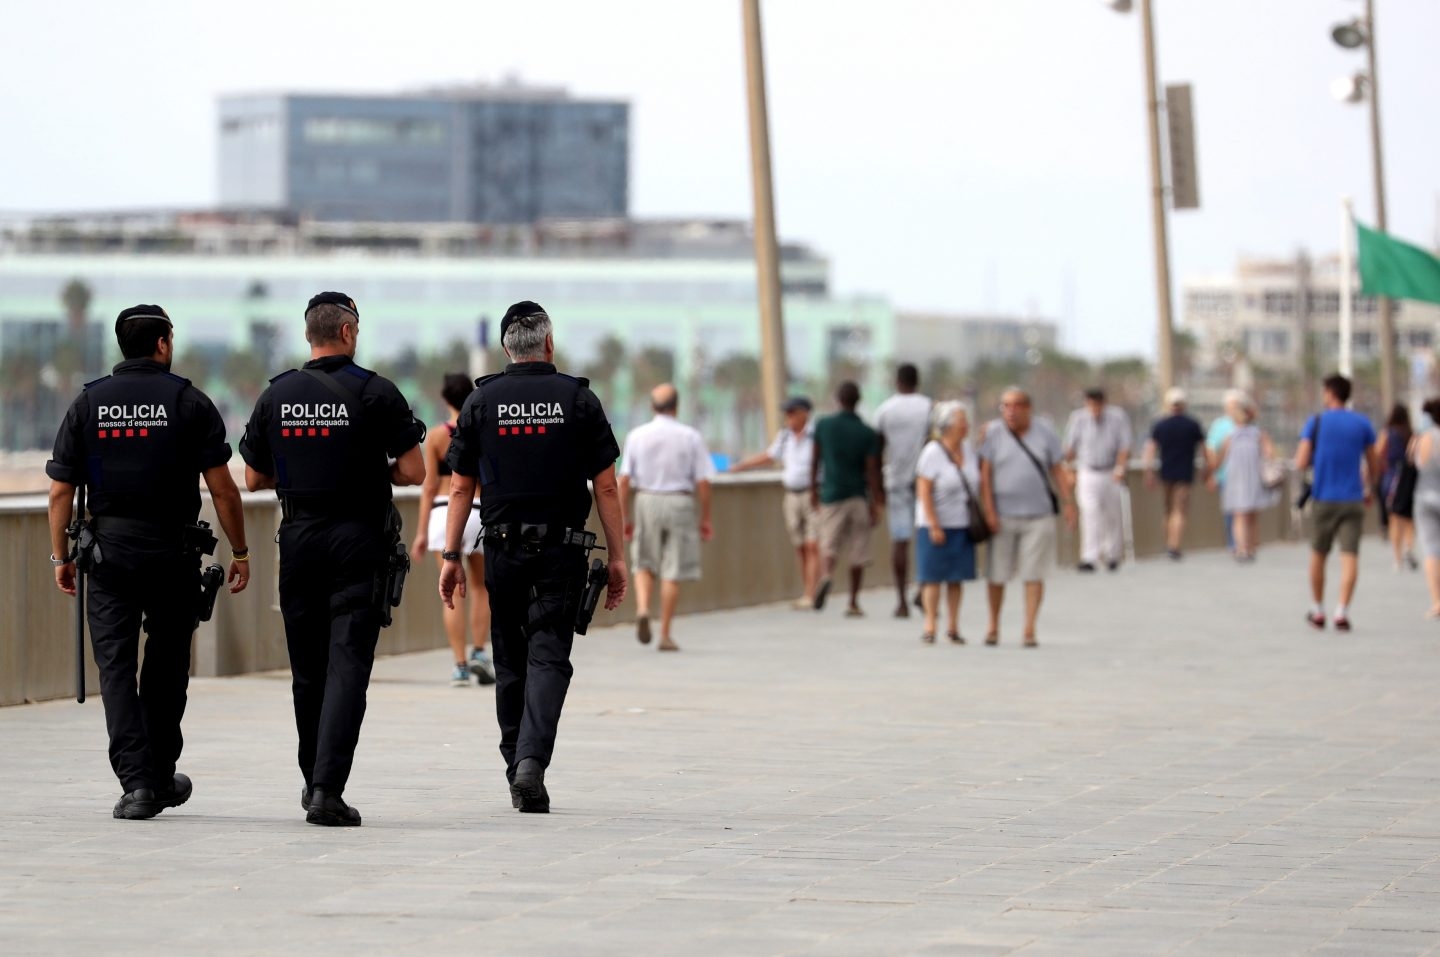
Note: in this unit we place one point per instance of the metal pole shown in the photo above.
(767, 255)
(1347, 291)
(1387, 305)
(1165, 332)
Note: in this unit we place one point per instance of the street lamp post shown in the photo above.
(767, 259)
(1165, 328)
(1358, 33)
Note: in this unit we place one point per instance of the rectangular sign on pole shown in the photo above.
(1184, 174)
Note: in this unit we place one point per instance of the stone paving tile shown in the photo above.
(1183, 767)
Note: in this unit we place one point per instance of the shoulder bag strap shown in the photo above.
(350, 398)
(1044, 476)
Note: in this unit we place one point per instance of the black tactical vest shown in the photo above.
(137, 465)
(530, 467)
(324, 454)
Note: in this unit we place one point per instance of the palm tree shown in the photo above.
(609, 360)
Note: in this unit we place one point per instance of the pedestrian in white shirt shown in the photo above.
(1097, 442)
(903, 421)
(793, 450)
(669, 468)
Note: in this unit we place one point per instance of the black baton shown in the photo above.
(74, 530)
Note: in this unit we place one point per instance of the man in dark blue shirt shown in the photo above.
(1176, 437)
(1341, 445)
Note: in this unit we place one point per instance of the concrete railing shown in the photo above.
(750, 562)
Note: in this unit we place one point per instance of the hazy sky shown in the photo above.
(959, 155)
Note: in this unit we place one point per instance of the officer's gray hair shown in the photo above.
(525, 339)
(324, 322)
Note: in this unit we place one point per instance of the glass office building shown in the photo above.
(482, 155)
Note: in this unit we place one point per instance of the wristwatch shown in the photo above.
(57, 562)
(450, 556)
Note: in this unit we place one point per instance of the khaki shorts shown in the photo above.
(667, 536)
(1336, 521)
(845, 531)
(1024, 548)
(802, 520)
(1177, 498)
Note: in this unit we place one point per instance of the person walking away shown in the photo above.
(793, 450)
(1340, 444)
(331, 438)
(903, 424)
(528, 441)
(430, 536)
(1023, 481)
(1174, 439)
(1425, 451)
(1394, 496)
(136, 440)
(1244, 454)
(669, 468)
(845, 487)
(946, 480)
(1097, 442)
(1219, 431)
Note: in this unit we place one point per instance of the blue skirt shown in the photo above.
(952, 562)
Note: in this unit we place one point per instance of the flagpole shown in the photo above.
(1347, 292)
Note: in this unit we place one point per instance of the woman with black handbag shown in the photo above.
(947, 517)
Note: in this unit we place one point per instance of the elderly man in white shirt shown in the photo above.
(1097, 440)
(793, 450)
(669, 468)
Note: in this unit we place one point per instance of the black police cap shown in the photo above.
(521, 310)
(143, 311)
(333, 299)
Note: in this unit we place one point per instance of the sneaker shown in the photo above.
(460, 677)
(1112, 565)
(1085, 567)
(1342, 624)
(1316, 621)
(1173, 554)
(481, 666)
(1410, 562)
(822, 593)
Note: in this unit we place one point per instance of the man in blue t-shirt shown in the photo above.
(1341, 446)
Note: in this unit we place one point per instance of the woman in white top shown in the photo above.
(946, 476)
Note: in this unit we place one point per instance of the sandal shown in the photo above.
(1030, 642)
(992, 638)
(954, 637)
(928, 637)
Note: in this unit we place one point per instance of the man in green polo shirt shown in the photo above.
(845, 485)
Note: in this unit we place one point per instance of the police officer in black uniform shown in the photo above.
(527, 441)
(137, 440)
(331, 438)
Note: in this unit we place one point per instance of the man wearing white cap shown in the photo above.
(1176, 437)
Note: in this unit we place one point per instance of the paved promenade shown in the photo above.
(1182, 767)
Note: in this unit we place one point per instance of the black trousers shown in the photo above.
(154, 586)
(328, 569)
(532, 629)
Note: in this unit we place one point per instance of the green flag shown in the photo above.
(1389, 267)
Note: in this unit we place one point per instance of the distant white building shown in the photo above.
(1274, 312)
(966, 341)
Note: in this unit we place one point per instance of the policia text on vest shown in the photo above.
(332, 439)
(527, 442)
(135, 441)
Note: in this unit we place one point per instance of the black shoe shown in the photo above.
(305, 798)
(1111, 566)
(1085, 567)
(1173, 554)
(176, 794)
(528, 791)
(330, 810)
(822, 592)
(138, 805)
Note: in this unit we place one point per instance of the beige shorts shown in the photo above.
(1024, 548)
(845, 531)
(1177, 498)
(667, 536)
(802, 520)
